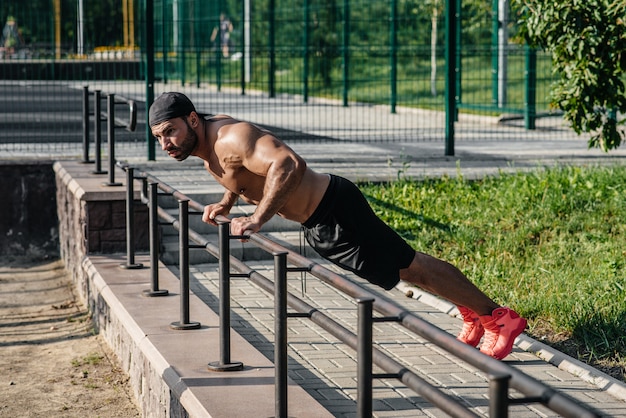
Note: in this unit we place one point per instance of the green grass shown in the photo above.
(551, 244)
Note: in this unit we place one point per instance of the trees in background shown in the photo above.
(587, 40)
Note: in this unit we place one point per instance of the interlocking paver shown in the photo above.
(332, 364)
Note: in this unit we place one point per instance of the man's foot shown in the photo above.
(472, 330)
(501, 329)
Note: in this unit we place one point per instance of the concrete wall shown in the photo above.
(28, 220)
(91, 220)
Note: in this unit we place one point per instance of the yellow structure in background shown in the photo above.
(128, 12)
(57, 28)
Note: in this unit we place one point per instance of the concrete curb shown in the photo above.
(161, 367)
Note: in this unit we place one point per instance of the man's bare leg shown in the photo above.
(443, 279)
(481, 315)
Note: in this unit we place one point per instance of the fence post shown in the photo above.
(154, 243)
(130, 221)
(530, 90)
(224, 364)
(393, 56)
(305, 53)
(85, 159)
(271, 72)
(111, 140)
(345, 54)
(183, 268)
(451, 75)
(280, 334)
(364, 356)
(97, 126)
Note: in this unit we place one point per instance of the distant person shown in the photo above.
(11, 38)
(224, 29)
(252, 164)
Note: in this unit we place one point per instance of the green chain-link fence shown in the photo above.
(358, 70)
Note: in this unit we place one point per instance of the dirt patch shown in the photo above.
(52, 363)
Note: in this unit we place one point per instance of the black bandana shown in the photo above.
(169, 106)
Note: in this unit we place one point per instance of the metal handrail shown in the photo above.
(112, 123)
(501, 374)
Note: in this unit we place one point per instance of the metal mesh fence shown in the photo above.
(348, 70)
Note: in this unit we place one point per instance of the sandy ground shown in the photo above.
(51, 363)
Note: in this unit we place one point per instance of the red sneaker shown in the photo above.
(472, 330)
(501, 329)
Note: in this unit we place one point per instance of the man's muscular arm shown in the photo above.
(282, 169)
(283, 177)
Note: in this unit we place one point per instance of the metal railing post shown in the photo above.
(364, 357)
(280, 334)
(130, 221)
(154, 242)
(224, 364)
(85, 159)
(111, 139)
(97, 126)
(499, 395)
(183, 268)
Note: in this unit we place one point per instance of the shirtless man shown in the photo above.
(252, 164)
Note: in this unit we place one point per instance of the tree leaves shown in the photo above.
(587, 40)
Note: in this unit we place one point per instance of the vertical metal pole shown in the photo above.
(364, 357)
(494, 51)
(393, 57)
(305, 53)
(111, 140)
(130, 221)
(244, 47)
(503, 40)
(181, 24)
(272, 48)
(499, 395)
(459, 63)
(183, 267)
(224, 291)
(530, 82)
(451, 74)
(247, 40)
(154, 243)
(346, 47)
(85, 159)
(149, 42)
(197, 49)
(224, 364)
(97, 126)
(280, 333)
(218, 56)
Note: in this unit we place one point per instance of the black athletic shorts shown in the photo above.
(344, 229)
